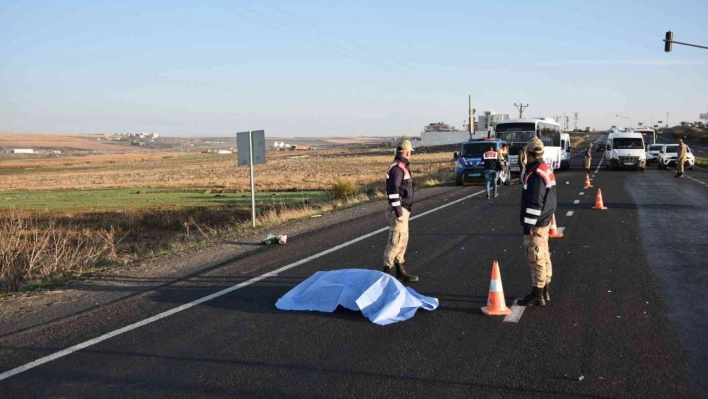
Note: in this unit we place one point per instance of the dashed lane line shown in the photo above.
(576, 201)
(86, 344)
(570, 213)
(581, 193)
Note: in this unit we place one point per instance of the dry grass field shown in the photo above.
(57, 141)
(306, 170)
(124, 207)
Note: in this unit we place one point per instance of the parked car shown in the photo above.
(653, 152)
(668, 154)
(469, 166)
(600, 147)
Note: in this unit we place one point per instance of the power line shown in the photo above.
(333, 34)
(324, 44)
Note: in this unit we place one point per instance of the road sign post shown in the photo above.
(251, 150)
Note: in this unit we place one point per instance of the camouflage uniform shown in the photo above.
(681, 159)
(588, 160)
(399, 190)
(397, 237)
(538, 204)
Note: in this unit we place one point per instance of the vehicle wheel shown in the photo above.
(659, 166)
(643, 169)
(458, 180)
(691, 168)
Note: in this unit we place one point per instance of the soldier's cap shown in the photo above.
(680, 140)
(404, 146)
(535, 146)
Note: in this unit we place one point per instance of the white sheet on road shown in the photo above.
(380, 297)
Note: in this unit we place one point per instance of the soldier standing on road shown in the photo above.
(522, 164)
(538, 204)
(492, 166)
(504, 158)
(681, 159)
(588, 159)
(399, 188)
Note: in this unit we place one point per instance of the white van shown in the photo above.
(565, 151)
(625, 150)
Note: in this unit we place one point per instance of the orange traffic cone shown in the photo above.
(587, 181)
(496, 305)
(598, 201)
(553, 231)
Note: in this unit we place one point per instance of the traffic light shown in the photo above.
(669, 41)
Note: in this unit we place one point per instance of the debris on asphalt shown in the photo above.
(271, 239)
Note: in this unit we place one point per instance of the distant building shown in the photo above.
(487, 121)
(440, 127)
(22, 151)
(441, 134)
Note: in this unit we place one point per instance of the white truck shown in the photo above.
(625, 150)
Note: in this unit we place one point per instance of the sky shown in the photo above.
(343, 67)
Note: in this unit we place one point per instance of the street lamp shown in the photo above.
(630, 121)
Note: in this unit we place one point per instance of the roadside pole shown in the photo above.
(255, 142)
(253, 186)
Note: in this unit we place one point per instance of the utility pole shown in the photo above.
(471, 121)
(521, 107)
(567, 118)
(575, 117)
(667, 119)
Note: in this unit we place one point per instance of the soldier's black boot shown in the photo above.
(402, 275)
(389, 271)
(535, 298)
(546, 295)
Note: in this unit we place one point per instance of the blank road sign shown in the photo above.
(258, 142)
(704, 116)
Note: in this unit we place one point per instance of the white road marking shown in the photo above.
(516, 312)
(599, 163)
(561, 229)
(86, 344)
(581, 193)
(576, 201)
(570, 213)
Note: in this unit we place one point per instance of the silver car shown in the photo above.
(653, 152)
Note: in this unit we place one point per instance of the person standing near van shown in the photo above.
(538, 204)
(399, 190)
(588, 159)
(522, 164)
(681, 159)
(504, 159)
(492, 166)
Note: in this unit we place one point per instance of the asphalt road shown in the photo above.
(627, 317)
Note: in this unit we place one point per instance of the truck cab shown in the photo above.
(469, 166)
